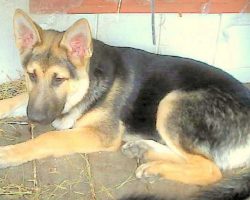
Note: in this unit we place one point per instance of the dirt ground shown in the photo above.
(97, 176)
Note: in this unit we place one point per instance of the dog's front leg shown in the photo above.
(15, 106)
(58, 143)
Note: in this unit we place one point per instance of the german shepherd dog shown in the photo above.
(190, 121)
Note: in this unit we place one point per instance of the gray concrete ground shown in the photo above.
(97, 176)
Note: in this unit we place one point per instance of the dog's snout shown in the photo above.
(38, 117)
(40, 114)
(43, 106)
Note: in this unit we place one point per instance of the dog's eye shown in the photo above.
(58, 81)
(32, 76)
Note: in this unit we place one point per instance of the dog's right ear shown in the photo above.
(26, 32)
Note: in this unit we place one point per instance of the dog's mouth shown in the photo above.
(42, 121)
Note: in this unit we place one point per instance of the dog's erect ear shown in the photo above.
(26, 32)
(78, 42)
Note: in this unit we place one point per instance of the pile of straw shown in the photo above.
(12, 88)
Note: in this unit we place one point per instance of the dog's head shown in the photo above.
(55, 64)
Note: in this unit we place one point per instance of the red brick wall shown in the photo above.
(139, 6)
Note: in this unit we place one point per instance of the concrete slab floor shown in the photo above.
(97, 176)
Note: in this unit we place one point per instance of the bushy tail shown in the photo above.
(236, 187)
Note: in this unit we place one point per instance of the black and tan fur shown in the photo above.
(193, 120)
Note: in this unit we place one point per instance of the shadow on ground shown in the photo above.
(97, 176)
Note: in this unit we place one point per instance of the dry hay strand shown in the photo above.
(12, 88)
(14, 189)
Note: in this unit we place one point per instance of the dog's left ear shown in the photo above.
(78, 42)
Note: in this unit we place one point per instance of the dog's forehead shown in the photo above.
(44, 65)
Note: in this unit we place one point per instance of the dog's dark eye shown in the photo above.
(58, 81)
(32, 77)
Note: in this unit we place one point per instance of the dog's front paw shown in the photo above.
(4, 115)
(8, 157)
(135, 149)
(4, 111)
(147, 173)
(11, 108)
(63, 123)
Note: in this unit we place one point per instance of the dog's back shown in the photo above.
(210, 117)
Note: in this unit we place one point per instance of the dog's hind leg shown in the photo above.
(187, 166)
(196, 170)
(182, 167)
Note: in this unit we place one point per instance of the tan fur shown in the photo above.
(50, 40)
(197, 170)
(76, 90)
(58, 143)
(153, 155)
(165, 108)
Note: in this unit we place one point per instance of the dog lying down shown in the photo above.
(191, 120)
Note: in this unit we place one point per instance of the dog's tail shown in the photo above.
(236, 187)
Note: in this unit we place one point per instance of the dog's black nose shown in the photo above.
(38, 118)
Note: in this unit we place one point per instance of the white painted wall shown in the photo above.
(220, 40)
